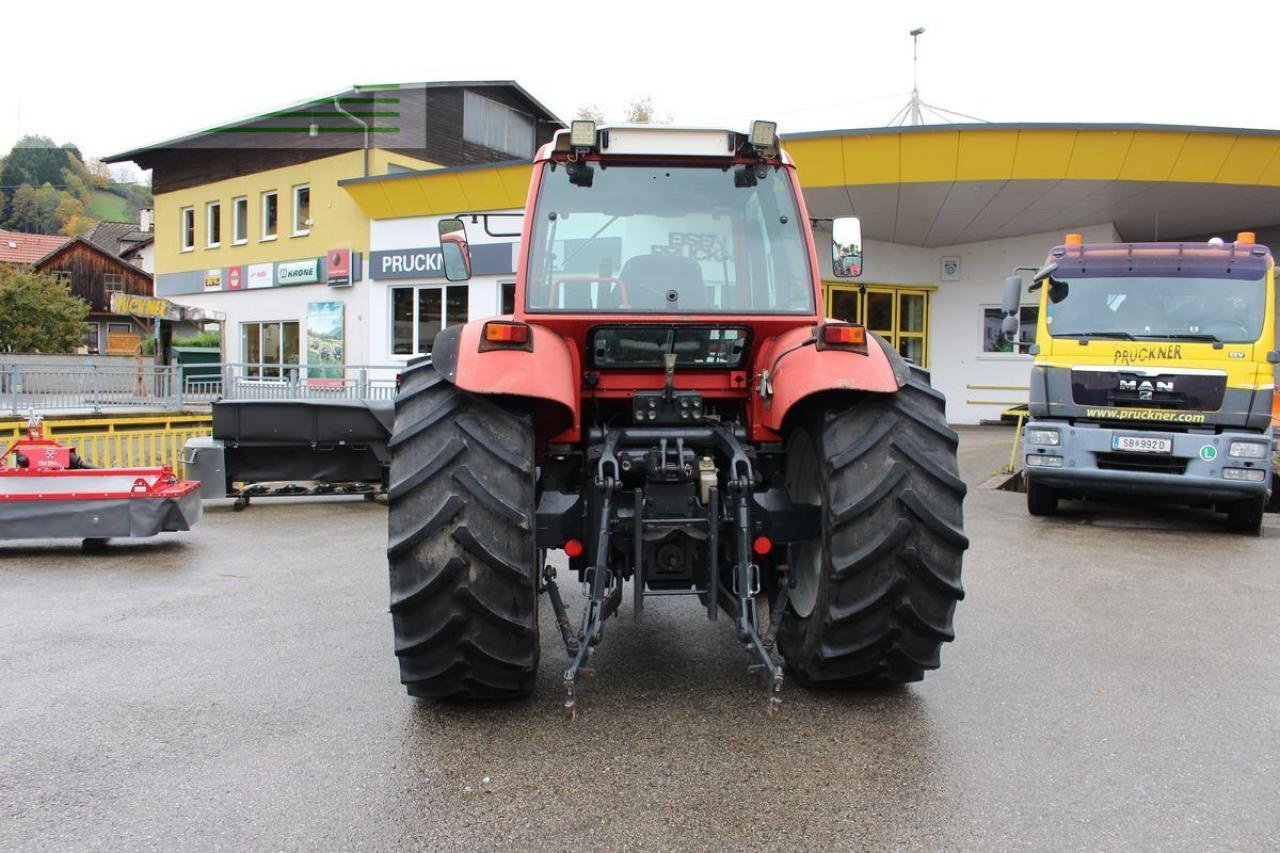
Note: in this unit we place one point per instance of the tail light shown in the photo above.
(845, 336)
(505, 334)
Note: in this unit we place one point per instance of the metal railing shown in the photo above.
(293, 382)
(92, 388)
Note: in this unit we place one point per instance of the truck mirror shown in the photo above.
(1012, 295)
(1009, 327)
(455, 254)
(1011, 304)
(846, 246)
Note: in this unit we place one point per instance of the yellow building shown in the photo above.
(250, 220)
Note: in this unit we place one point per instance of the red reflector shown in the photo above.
(573, 548)
(506, 333)
(842, 334)
(763, 545)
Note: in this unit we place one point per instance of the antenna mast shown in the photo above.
(913, 113)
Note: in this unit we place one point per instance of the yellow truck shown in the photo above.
(1154, 375)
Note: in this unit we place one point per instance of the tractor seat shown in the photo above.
(649, 277)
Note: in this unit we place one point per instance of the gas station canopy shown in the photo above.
(940, 185)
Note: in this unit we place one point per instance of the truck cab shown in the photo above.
(1154, 375)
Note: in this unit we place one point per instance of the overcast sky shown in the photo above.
(142, 72)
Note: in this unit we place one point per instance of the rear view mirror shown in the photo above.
(455, 254)
(1010, 305)
(846, 247)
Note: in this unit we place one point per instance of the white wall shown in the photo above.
(955, 311)
(483, 295)
(289, 303)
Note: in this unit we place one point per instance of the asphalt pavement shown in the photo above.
(1114, 684)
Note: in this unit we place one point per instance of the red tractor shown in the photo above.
(669, 406)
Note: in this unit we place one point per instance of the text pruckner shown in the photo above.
(1130, 355)
(409, 263)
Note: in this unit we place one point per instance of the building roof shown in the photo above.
(17, 247)
(358, 90)
(111, 256)
(117, 237)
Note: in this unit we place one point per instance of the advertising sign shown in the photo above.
(213, 279)
(235, 278)
(260, 275)
(324, 343)
(420, 263)
(338, 268)
(298, 272)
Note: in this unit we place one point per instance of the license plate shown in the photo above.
(1141, 444)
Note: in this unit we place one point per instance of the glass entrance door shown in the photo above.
(900, 315)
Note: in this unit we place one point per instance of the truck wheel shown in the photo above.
(460, 542)
(1246, 516)
(1041, 499)
(872, 601)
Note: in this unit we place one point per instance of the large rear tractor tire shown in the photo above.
(460, 542)
(872, 602)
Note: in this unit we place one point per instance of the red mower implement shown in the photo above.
(48, 492)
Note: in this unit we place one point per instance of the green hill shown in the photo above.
(108, 205)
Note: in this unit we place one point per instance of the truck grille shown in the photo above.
(1138, 462)
(1198, 392)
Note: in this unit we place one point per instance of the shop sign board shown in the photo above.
(260, 275)
(298, 272)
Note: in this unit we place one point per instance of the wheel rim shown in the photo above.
(803, 486)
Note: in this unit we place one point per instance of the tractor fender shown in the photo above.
(798, 370)
(547, 370)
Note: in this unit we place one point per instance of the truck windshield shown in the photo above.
(649, 239)
(1169, 307)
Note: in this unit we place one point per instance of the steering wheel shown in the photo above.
(558, 283)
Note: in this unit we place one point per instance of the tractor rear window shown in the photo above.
(673, 240)
(647, 346)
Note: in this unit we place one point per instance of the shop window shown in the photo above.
(992, 338)
(508, 297)
(187, 229)
(113, 282)
(900, 315)
(270, 215)
(213, 224)
(269, 349)
(494, 125)
(239, 220)
(418, 313)
(89, 338)
(301, 211)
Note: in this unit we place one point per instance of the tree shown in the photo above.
(76, 186)
(34, 160)
(100, 174)
(3, 197)
(37, 314)
(69, 208)
(591, 112)
(24, 209)
(78, 225)
(48, 198)
(640, 111)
